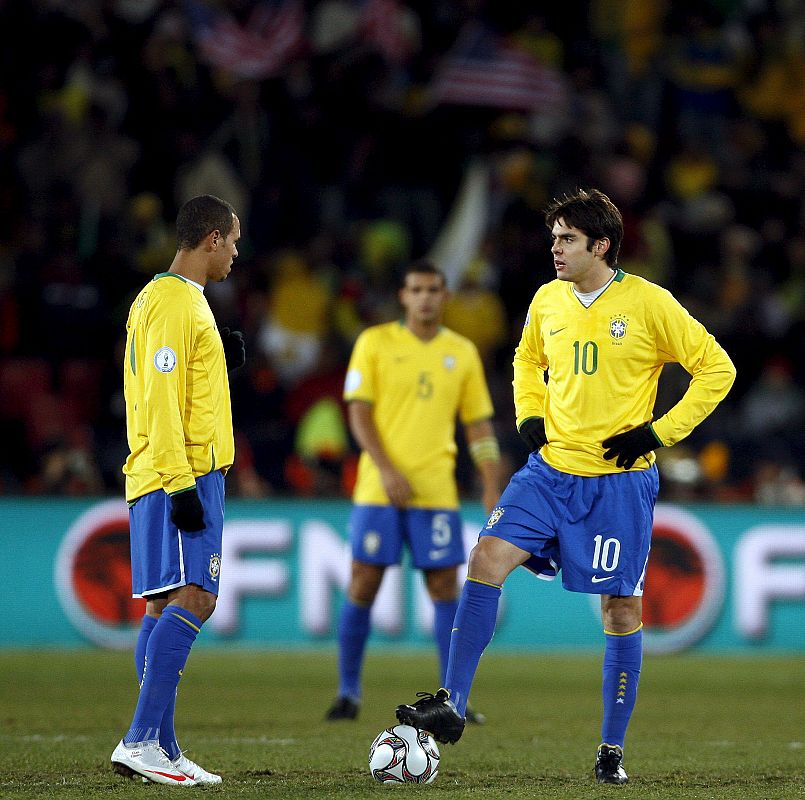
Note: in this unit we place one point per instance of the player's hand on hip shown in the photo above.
(627, 447)
(234, 349)
(187, 513)
(532, 432)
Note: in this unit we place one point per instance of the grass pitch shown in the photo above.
(703, 728)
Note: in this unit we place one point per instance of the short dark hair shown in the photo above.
(592, 212)
(419, 267)
(199, 217)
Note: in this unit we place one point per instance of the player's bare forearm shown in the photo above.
(483, 446)
(363, 428)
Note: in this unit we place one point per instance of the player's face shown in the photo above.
(225, 253)
(423, 296)
(571, 258)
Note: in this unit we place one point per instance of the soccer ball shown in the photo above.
(403, 754)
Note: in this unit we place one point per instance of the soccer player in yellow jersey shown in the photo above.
(179, 426)
(406, 384)
(585, 380)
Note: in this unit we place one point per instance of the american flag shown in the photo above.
(383, 28)
(481, 69)
(257, 49)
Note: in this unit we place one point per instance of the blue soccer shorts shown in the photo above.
(434, 536)
(162, 556)
(596, 530)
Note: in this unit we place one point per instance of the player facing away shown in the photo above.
(584, 501)
(179, 428)
(406, 383)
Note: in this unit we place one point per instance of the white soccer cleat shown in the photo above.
(150, 761)
(196, 773)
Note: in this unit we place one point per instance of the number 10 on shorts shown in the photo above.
(607, 553)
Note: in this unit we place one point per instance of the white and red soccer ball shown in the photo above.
(403, 754)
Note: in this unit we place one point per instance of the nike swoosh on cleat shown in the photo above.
(596, 579)
(168, 775)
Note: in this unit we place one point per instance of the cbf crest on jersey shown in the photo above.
(215, 566)
(617, 327)
(449, 362)
(494, 517)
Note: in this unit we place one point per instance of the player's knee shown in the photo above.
(361, 596)
(206, 605)
(364, 583)
(482, 564)
(442, 584)
(212, 602)
(621, 614)
(196, 600)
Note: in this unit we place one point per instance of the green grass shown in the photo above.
(703, 728)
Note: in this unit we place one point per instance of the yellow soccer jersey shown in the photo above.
(178, 412)
(603, 365)
(417, 389)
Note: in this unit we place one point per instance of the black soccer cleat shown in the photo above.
(609, 765)
(342, 708)
(435, 714)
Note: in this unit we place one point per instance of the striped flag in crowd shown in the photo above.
(256, 49)
(384, 28)
(482, 69)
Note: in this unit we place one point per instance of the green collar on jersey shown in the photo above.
(168, 275)
(619, 275)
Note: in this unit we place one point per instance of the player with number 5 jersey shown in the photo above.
(586, 370)
(407, 384)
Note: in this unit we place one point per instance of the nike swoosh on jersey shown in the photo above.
(596, 579)
(558, 330)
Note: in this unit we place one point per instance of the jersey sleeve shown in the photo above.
(359, 383)
(168, 342)
(475, 404)
(682, 339)
(530, 364)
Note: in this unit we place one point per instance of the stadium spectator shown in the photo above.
(476, 311)
(406, 384)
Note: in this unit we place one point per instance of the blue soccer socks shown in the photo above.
(166, 654)
(472, 631)
(444, 613)
(353, 631)
(167, 732)
(146, 626)
(623, 658)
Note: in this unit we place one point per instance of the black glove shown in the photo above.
(234, 349)
(629, 446)
(187, 513)
(532, 432)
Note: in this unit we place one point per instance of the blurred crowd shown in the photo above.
(325, 125)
